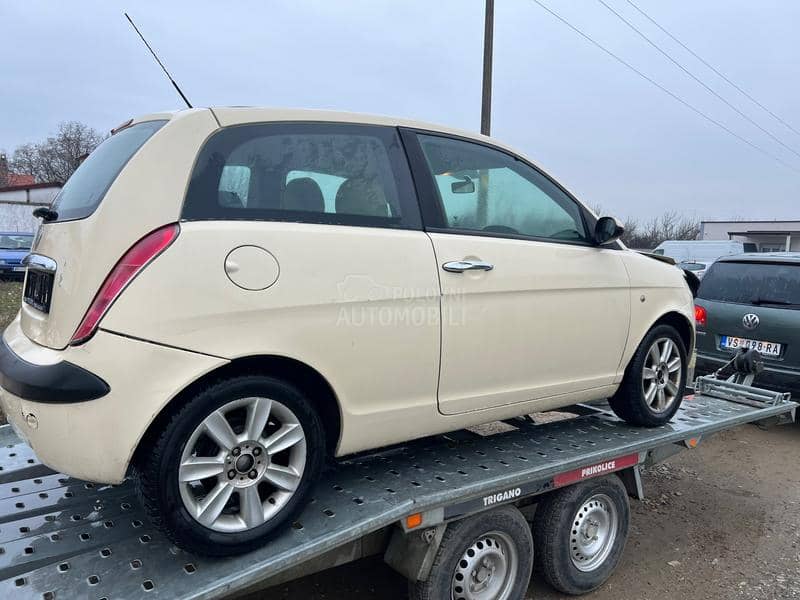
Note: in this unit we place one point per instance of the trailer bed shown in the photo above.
(64, 538)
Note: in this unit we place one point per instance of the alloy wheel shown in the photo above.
(661, 375)
(242, 464)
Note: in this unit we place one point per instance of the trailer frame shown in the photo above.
(62, 538)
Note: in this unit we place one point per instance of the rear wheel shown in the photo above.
(580, 533)
(655, 380)
(485, 557)
(233, 465)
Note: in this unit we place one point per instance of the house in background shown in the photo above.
(769, 236)
(19, 196)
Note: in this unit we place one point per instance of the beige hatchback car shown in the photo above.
(219, 299)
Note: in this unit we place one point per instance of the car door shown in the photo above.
(531, 309)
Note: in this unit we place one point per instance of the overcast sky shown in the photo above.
(609, 136)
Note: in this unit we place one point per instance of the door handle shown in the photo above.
(459, 266)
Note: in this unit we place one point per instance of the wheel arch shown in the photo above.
(290, 370)
(681, 324)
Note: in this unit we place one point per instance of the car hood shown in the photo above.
(13, 254)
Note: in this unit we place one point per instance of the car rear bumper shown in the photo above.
(94, 439)
(57, 382)
(15, 269)
(772, 378)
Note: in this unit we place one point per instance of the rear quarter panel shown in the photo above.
(360, 305)
(147, 194)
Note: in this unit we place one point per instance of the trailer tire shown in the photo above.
(500, 537)
(592, 507)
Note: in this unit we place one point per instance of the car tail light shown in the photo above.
(700, 316)
(131, 263)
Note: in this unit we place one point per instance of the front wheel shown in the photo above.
(232, 466)
(655, 380)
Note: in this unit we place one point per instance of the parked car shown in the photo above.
(14, 246)
(697, 255)
(697, 268)
(280, 286)
(752, 301)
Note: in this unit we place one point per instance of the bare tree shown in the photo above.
(649, 234)
(669, 226)
(56, 158)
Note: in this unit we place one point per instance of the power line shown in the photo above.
(665, 90)
(710, 66)
(698, 80)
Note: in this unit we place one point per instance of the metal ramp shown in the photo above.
(64, 538)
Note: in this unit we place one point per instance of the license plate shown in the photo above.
(38, 289)
(18, 269)
(766, 348)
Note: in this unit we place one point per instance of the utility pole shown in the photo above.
(488, 38)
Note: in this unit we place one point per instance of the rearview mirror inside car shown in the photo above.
(467, 186)
(607, 230)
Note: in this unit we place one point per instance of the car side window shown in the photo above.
(486, 190)
(306, 172)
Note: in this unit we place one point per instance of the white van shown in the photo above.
(697, 255)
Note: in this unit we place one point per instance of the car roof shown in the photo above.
(227, 116)
(763, 257)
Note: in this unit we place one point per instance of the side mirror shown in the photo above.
(463, 187)
(607, 230)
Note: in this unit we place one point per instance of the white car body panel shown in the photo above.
(408, 349)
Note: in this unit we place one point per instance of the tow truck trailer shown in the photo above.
(447, 512)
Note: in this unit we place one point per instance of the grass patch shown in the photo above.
(10, 298)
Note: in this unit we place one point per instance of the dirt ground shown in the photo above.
(719, 522)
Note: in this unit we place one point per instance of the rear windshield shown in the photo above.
(84, 191)
(767, 284)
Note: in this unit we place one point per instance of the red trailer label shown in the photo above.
(601, 468)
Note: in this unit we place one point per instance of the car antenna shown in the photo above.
(158, 60)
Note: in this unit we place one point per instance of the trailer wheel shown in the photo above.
(488, 556)
(580, 532)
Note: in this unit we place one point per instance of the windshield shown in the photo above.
(16, 241)
(84, 191)
(752, 283)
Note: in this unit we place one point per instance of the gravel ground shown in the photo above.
(718, 522)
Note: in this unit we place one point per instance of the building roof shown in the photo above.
(14, 179)
(742, 221)
(31, 186)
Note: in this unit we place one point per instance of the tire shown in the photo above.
(486, 535)
(243, 403)
(554, 532)
(631, 402)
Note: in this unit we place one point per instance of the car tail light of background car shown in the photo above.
(131, 263)
(700, 315)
